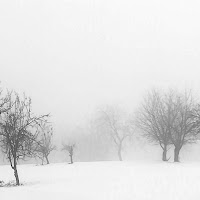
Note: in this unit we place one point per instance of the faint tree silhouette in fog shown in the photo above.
(70, 149)
(44, 145)
(113, 122)
(19, 131)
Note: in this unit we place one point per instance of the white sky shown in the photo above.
(72, 55)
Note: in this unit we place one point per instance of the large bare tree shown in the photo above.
(151, 120)
(114, 123)
(166, 118)
(184, 128)
(19, 131)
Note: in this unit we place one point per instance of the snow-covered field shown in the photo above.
(105, 181)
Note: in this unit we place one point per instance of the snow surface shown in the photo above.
(105, 181)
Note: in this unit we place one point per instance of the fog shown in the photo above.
(70, 56)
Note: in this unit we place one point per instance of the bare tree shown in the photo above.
(167, 118)
(43, 143)
(18, 131)
(151, 119)
(184, 127)
(70, 149)
(113, 122)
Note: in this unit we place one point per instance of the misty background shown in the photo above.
(71, 56)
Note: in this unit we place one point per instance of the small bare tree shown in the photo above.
(70, 149)
(44, 145)
(18, 131)
(113, 122)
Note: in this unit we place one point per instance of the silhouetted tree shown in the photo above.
(184, 127)
(167, 118)
(152, 119)
(18, 131)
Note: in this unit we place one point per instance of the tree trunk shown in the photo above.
(16, 176)
(176, 154)
(16, 172)
(120, 153)
(164, 155)
(47, 160)
(42, 160)
(71, 159)
(14, 167)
